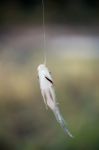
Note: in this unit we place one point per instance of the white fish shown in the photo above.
(47, 91)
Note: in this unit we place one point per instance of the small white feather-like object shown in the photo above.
(47, 91)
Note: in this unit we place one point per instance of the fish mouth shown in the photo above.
(41, 66)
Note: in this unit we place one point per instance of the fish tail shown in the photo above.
(61, 121)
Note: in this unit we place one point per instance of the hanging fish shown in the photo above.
(47, 91)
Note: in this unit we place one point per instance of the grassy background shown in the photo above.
(24, 122)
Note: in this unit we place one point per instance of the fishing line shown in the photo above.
(44, 33)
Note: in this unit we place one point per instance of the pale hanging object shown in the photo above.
(47, 91)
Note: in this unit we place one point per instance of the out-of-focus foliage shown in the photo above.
(24, 122)
(72, 47)
(57, 11)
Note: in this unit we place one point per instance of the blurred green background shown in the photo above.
(72, 45)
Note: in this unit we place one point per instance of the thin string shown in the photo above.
(44, 34)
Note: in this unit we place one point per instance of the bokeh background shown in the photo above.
(72, 46)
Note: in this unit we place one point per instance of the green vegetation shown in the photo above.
(26, 125)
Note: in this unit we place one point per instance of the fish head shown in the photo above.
(41, 67)
(41, 70)
(44, 73)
